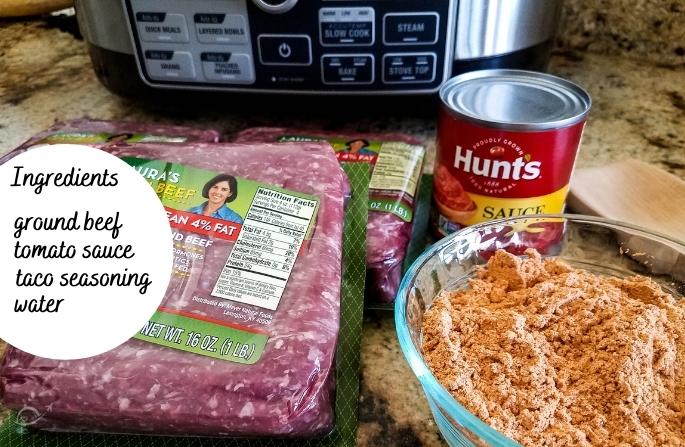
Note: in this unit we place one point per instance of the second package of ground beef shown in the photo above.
(396, 161)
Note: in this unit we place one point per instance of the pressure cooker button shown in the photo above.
(408, 68)
(162, 27)
(229, 68)
(220, 28)
(346, 26)
(169, 65)
(347, 69)
(285, 49)
(410, 28)
(347, 33)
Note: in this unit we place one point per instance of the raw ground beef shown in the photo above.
(141, 387)
(387, 235)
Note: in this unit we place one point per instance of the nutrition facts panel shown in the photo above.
(265, 252)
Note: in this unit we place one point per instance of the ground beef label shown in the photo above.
(396, 169)
(268, 227)
(213, 338)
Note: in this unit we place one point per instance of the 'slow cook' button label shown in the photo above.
(347, 33)
(346, 26)
(228, 67)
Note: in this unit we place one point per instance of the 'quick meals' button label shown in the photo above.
(220, 28)
(162, 27)
(169, 65)
(228, 67)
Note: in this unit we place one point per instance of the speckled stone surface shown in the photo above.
(639, 111)
(652, 30)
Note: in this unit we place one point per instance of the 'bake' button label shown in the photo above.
(162, 27)
(220, 28)
(347, 69)
(169, 65)
(228, 67)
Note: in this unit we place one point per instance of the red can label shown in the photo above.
(484, 173)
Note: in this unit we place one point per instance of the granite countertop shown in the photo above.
(638, 112)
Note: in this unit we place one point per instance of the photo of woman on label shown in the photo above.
(219, 191)
(358, 146)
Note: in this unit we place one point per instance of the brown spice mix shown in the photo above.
(551, 355)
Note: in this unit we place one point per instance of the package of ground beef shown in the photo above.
(396, 161)
(244, 342)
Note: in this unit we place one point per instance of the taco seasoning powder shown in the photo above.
(506, 146)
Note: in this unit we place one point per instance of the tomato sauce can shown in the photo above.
(506, 146)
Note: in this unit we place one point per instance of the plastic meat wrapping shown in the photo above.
(124, 131)
(106, 133)
(141, 387)
(388, 235)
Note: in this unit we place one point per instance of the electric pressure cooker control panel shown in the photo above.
(347, 46)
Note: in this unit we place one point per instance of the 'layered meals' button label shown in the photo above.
(162, 27)
(220, 28)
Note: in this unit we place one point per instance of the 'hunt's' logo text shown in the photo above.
(519, 169)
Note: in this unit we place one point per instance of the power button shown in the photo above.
(285, 49)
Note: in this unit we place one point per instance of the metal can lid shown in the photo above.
(515, 99)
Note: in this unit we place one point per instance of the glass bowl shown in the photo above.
(598, 245)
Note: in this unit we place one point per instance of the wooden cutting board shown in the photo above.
(17, 8)
(634, 192)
